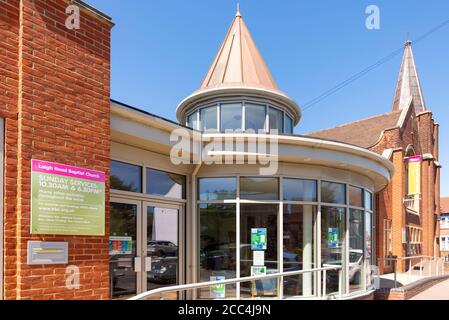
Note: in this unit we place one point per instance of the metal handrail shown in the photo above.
(406, 258)
(421, 258)
(281, 275)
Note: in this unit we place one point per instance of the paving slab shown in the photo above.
(440, 291)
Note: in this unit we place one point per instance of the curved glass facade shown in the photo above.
(240, 116)
(308, 224)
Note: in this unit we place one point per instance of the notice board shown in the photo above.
(66, 200)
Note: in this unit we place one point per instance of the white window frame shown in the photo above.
(444, 222)
(388, 239)
(444, 244)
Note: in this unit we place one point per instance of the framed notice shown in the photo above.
(258, 239)
(218, 291)
(332, 237)
(66, 200)
(120, 245)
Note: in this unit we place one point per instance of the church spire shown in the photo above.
(408, 86)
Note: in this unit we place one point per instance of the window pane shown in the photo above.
(356, 246)
(254, 117)
(368, 200)
(217, 245)
(259, 188)
(231, 116)
(122, 244)
(275, 119)
(288, 123)
(299, 190)
(165, 184)
(333, 226)
(299, 254)
(126, 177)
(368, 247)
(333, 192)
(217, 188)
(259, 216)
(208, 118)
(368, 232)
(355, 197)
(191, 120)
(162, 247)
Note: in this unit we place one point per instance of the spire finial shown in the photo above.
(238, 10)
(408, 42)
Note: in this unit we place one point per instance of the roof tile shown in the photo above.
(363, 133)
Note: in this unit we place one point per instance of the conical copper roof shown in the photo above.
(238, 69)
(238, 61)
(408, 85)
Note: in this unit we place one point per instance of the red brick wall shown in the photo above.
(430, 204)
(62, 111)
(9, 79)
(420, 132)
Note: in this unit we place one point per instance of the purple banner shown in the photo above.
(414, 159)
(65, 170)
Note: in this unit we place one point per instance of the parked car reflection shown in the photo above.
(162, 248)
(334, 258)
(163, 271)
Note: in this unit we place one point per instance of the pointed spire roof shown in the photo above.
(238, 70)
(408, 87)
(238, 61)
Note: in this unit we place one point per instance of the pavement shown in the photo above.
(402, 279)
(439, 291)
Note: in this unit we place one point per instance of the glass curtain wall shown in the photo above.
(311, 214)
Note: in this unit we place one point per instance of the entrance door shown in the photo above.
(145, 252)
(163, 248)
(124, 249)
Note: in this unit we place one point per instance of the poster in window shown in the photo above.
(414, 174)
(332, 238)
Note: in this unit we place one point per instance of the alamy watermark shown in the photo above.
(73, 20)
(372, 22)
(72, 281)
(231, 147)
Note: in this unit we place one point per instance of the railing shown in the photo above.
(279, 276)
(411, 203)
(438, 261)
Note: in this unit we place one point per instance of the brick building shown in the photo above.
(407, 210)
(329, 205)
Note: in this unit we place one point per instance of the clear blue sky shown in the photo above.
(161, 51)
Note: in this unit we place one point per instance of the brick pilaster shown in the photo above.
(58, 85)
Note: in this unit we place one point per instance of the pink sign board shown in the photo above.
(67, 171)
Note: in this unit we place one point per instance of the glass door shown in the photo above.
(124, 249)
(163, 249)
(145, 252)
(259, 248)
